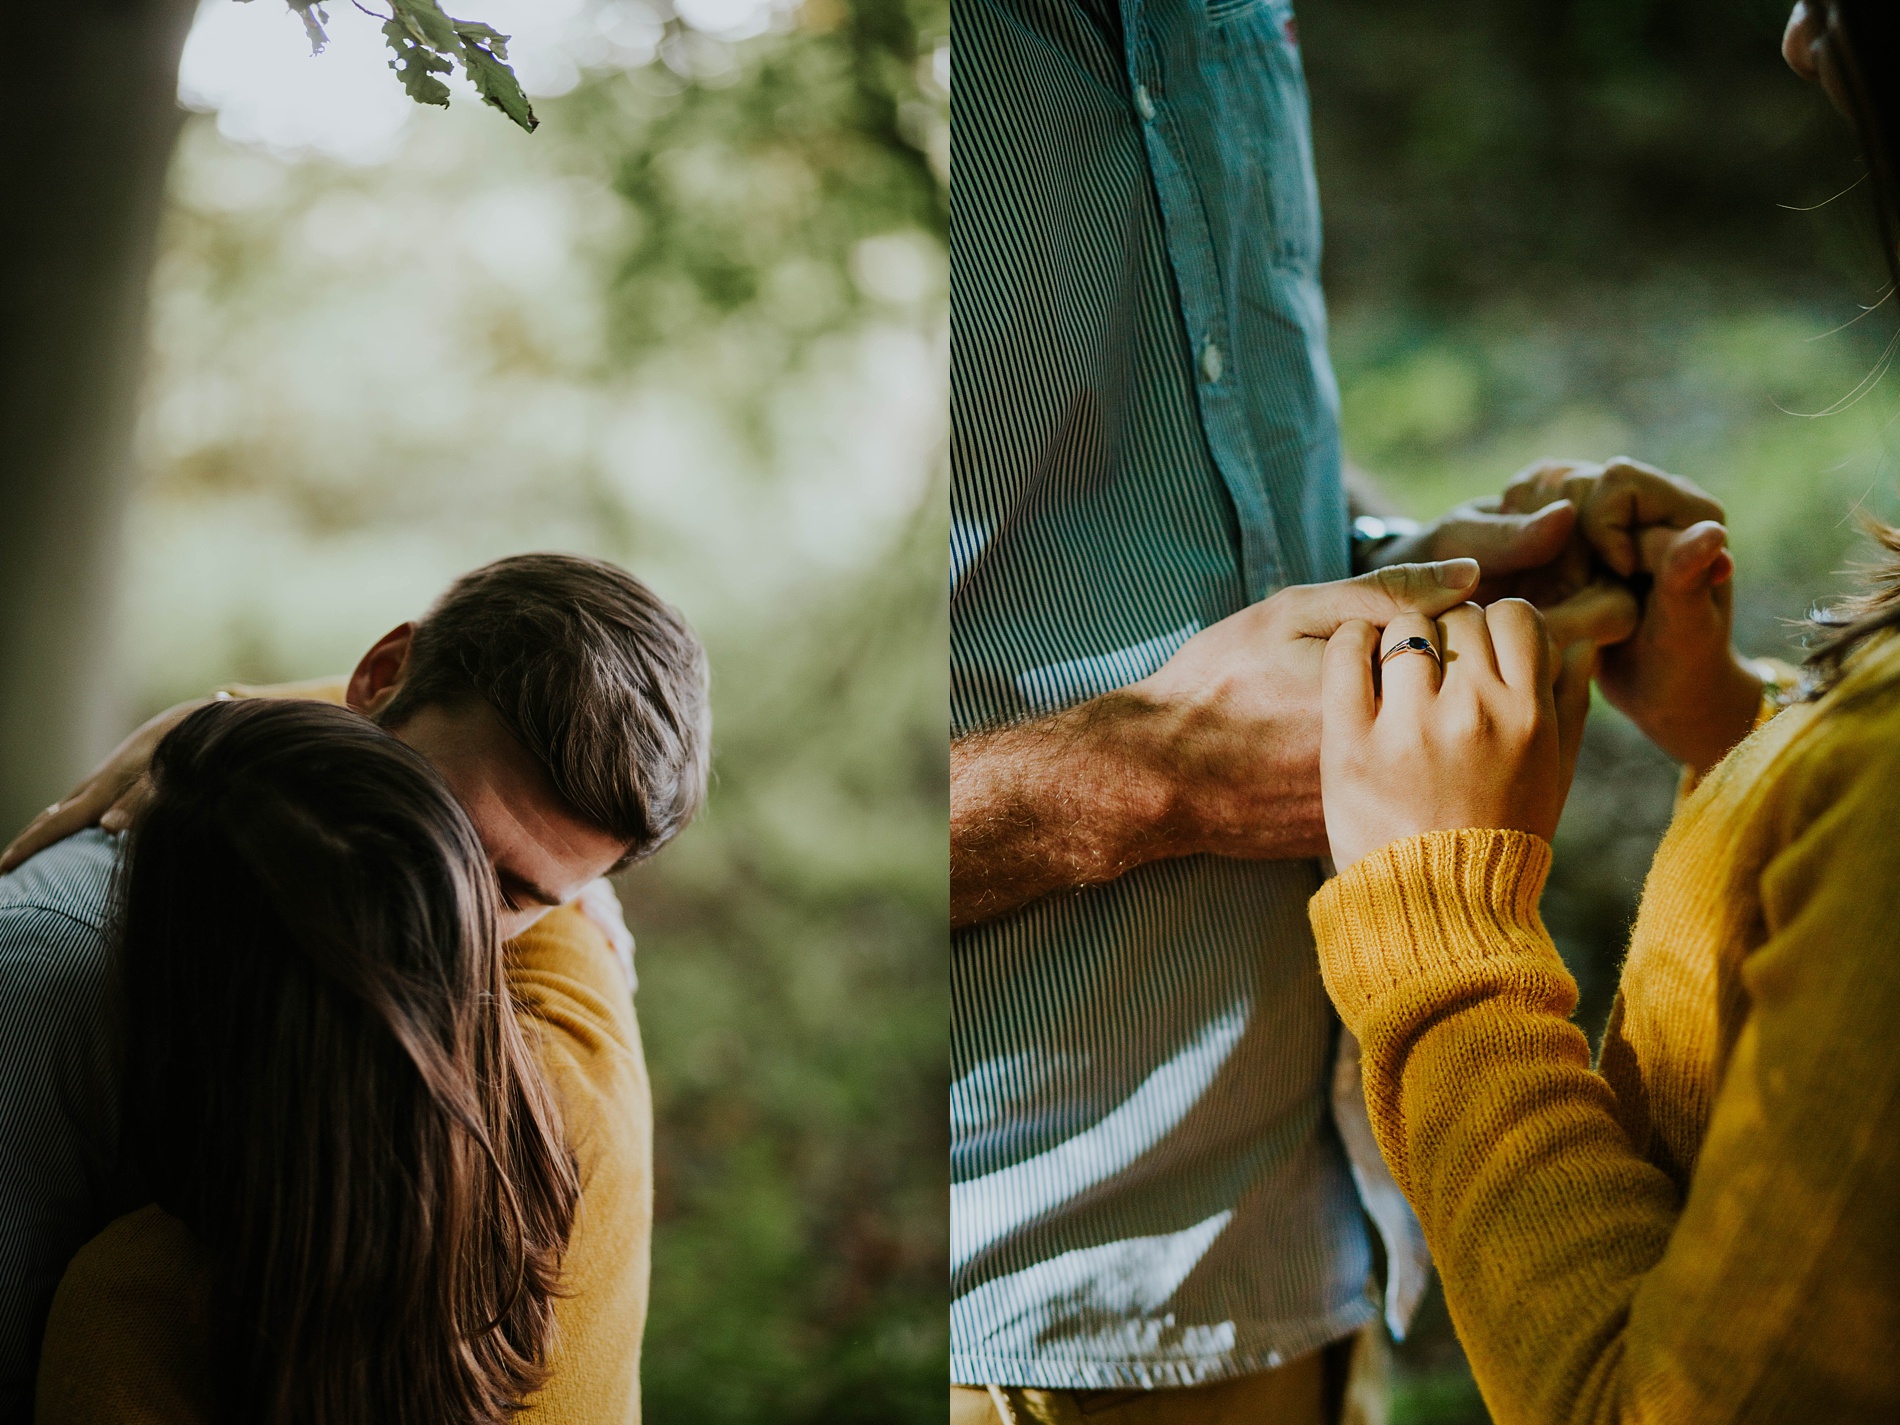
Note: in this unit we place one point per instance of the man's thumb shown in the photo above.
(1318, 610)
(1511, 543)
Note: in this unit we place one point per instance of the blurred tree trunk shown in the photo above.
(91, 120)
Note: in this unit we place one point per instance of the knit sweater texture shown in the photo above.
(129, 1342)
(1704, 1227)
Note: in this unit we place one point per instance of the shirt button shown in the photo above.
(1211, 363)
(1144, 106)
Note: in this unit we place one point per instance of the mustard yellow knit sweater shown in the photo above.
(128, 1341)
(1706, 1228)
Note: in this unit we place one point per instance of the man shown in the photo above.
(1154, 1214)
(564, 704)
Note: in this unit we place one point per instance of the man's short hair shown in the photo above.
(591, 671)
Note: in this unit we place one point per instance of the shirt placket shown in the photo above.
(1151, 48)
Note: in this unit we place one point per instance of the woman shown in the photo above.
(1707, 1228)
(363, 1197)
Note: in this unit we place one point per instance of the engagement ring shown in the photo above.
(1414, 644)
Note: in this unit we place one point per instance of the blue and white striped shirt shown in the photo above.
(1149, 1187)
(60, 1179)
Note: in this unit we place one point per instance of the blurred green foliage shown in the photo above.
(1467, 150)
(1588, 228)
(799, 1052)
(756, 183)
(696, 324)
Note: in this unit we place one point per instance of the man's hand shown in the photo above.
(1217, 752)
(110, 797)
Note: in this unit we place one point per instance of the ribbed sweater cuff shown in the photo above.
(1426, 903)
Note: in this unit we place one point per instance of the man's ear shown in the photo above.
(378, 677)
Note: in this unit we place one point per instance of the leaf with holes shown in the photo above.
(426, 23)
(417, 65)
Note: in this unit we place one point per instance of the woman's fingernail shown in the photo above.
(1457, 573)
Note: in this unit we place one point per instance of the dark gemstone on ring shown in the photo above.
(1414, 644)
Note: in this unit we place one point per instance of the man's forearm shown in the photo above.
(1071, 800)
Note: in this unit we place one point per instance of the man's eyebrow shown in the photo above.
(521, 890)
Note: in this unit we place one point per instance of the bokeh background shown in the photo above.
(695, 324)
(1590, 228)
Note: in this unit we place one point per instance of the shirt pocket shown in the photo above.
(1252, 70)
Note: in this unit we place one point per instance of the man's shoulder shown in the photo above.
(65, 891)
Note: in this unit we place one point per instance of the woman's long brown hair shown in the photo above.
(326, 1081)
(1863, 44)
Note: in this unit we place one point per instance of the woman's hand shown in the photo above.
(1406, 748)
(1678, 678)
(110, 797)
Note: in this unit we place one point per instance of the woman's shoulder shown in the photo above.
(1827, 764)
(128, 1337)
(1853, 733)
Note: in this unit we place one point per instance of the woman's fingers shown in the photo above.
(1687, 561)
(1599, 613)
(1630, 496)
(115, 791)
(1521, 647)
(1467, 645)
(1575, 670)
(125, 810)
(1409, 676)
(79, 810)
(1348, 699)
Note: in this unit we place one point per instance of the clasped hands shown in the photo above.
(1616, 572)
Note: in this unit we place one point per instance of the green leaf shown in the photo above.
(483, 55)
(488, 34)
(417, 65)
(426, 23)
(311, 13)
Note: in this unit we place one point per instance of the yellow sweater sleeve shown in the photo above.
(1583, 1286)
(125, 1342)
